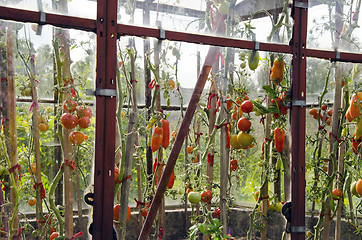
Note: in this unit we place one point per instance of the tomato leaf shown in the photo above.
(262, 108)
(270, 91)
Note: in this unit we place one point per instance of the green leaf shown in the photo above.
(270, 91)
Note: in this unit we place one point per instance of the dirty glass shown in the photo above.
(264, 21)
(75, 8)
(335, 25)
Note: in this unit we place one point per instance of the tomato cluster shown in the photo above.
(75, 115)
(161, 136)
(325, 114)
(43, 125)
(233, 164)
(243, 139)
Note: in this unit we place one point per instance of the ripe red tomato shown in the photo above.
(284, 110)
(171, 181)
(336, 194)
(84, 122)
(206, 196)
(216, 213)
(54, 235)
(116, 210)
(244, 124)
(229, 103)
(76, 138)
(69, 106)
(247, 106)
(144, 212)
(69, 121)
(324, 107)
(233, 167)
(313, 111)
(83, 111)
(330, 112)
(116, 173)
(233, 162)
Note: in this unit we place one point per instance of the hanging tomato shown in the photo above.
(166, 133)
(279, 139)
(156, 139)
(172, 180)
(277, 70)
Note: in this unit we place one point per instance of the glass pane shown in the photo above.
(334, 25)
(261, 20)
(52, 121)
(339, 87)
(71, 8)
(173, 69)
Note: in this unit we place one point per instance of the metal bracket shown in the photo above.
(42, 17)
(301, 4)
(162, 34)
(297, 229)
(102, 92)
(299, 103)
(257, 45)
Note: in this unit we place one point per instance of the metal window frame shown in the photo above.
(107, 30)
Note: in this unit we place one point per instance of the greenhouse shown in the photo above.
(180, 119)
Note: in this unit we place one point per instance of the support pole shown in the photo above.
(300, 14)
(179, 140)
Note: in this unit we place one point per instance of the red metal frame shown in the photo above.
(105, 121)
(107, 29)
(298, 121)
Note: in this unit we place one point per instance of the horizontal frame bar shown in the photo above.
(89, 25)
(57, 20)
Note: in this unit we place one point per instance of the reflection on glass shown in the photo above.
(334, 25)
(52, 70)
(253, 20)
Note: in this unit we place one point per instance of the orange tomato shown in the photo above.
(234, 116)
(171, 181)
(189, 149)
(33, 168)
(336, 194)
(171, 84)
(76, 138)
(279, 139)
(355, 107)
(165, 133)
(277, 70)
(42, 127)
(84, 122)
(116, 210)
(359, 187)
(313, 111)
(156, 138)
(349, 116)
(32, 201)
(54, 235)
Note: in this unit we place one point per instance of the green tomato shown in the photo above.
(354, 190)
(224, 8)
(245, 139)
(253, 60)
(27, 92)
(194, 197)
(242, 55)
(243, 65)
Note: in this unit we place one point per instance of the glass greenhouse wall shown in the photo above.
(180, 119)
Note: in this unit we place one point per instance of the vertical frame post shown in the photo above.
(105, 120)
(300, 9)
